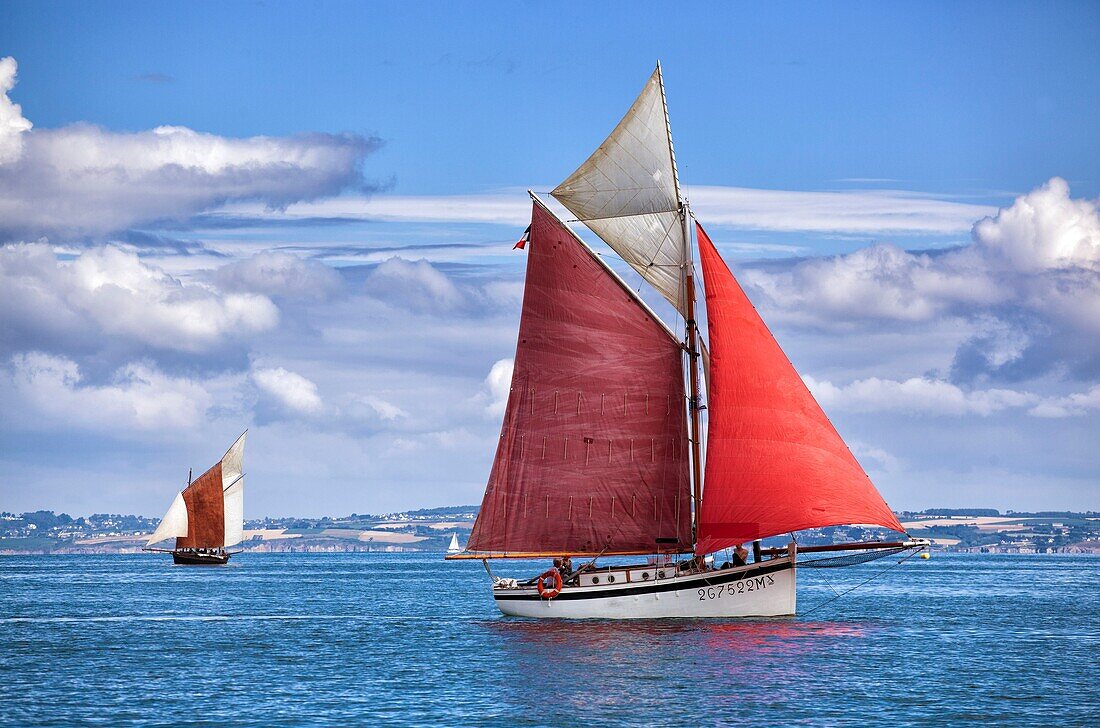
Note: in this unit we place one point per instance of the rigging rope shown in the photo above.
(833, 562)
(865, 581)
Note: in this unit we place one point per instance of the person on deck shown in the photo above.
(566, 567)
(740, 555)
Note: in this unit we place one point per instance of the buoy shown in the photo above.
(926, 555)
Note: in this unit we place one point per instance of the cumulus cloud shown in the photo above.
(49, 391)
(497, 385)
(415, 285)
(871, 454)
(108, 293)
(83, 180)
(386, 410)
(916, 396)
(1028, 285)
(280, 274)
(1075, 405)
(1043, 230)
(289, 390)
(936, 397)
(12, 122)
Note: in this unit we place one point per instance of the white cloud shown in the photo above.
(289, 390)
(923, 396)
(84, 180)
(386, 410)
(1029, 284)
(879, 282)
(415, 285)
(504, 207)
(1043, 229)
(110, 293)
(49, 392)
(12, 122)
(858, 211)
(1075, 405)
(869, 453)
(280, 274)
(915, 396)
(498, 384)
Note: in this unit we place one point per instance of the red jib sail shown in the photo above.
(775, 463)
(205, 511)
(593, 450)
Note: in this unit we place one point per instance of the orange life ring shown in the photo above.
(544, 591)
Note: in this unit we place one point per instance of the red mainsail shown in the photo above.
(593, 453)
(205, 511)
(775, 463)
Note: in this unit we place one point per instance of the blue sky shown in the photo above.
(320, 246)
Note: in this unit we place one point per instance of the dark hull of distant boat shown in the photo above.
(183, 558)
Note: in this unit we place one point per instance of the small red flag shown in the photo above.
(523, 240)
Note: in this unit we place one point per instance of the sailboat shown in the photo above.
(600, 451)
(207, 516)
(453, 547)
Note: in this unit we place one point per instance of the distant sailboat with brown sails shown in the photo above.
(207, 516)
(600, 452)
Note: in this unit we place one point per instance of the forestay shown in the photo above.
(592, 456)
(627, 193)
(775, 463)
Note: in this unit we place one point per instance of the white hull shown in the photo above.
(765, 589)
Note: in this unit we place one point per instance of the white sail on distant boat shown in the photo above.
(600, 448)
(453, 547)
(207, 516)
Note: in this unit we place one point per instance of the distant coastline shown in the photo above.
(974, 530)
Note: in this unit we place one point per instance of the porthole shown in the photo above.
(660, 575)
(595, 580)
(610, 578)
(645, 576)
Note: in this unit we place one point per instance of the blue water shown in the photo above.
(393, 639)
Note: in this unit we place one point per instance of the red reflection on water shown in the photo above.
(755, 636)
(623, 661)
(775, 636)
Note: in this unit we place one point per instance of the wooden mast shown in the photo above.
(691, 331)
(693, 401)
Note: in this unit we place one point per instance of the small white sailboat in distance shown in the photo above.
(453, 547)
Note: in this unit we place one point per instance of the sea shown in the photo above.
(409, 640)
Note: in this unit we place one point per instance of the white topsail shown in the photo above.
(233, 461)
(234, 513)
(627, 192)
(233, 491)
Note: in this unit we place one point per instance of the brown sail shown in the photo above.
(209, 513)
(205, 511)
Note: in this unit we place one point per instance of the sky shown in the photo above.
(298, 219)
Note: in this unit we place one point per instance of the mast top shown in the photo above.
(627, 192)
